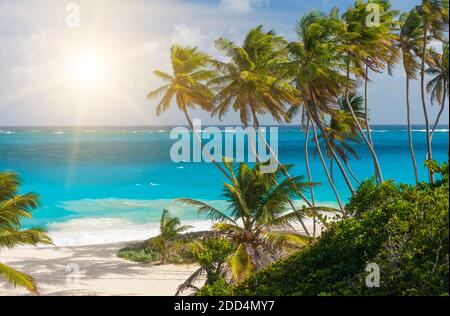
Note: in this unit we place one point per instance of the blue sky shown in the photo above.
(39, 84)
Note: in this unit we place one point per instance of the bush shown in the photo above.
(404, 229)
(145, 252)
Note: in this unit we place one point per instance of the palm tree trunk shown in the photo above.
(319, 150)
(366, 105)
(422, 94)
(334, 155)
(438, 118)
(411, 146)
(188, 118)
(331, 169)
(378, 173)
(351, 172)
(308, 170)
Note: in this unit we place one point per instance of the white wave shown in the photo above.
(6, 132)
(98, 231)
(154, 184)
(58, 133)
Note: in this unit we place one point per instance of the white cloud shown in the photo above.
(186, 36)
(241, 6)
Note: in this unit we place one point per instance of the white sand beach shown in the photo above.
(101, 272)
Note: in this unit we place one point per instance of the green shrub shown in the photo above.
(404, 229)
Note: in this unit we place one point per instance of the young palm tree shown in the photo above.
(170, 228)
(259, 224)
(434, 14)
(211, 255)
(14, 207)
(187, 85)
(438, 86)
(410, 43)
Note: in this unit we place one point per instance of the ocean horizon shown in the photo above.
(103, 184)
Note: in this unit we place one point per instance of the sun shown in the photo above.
(88, 69)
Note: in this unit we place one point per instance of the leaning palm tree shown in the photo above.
(14, 207)
(317, 73)
(434, 14)
(186, 85)
(368, 47)
(258, 220)
(169, 228)
(438, 86)
(410, 43)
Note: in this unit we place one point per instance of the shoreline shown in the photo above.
(92, 271)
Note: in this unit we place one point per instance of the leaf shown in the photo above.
(241, 263)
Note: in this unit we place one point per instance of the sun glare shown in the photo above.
(88, 69)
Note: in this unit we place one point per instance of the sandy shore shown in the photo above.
(92, 270)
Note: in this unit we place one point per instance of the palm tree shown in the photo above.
(170, 228)
(253, 82)
(438, 86)
(434, 14)
(368, 47)
(410, 43)
(210, 254)
(14, 207)
(259, 224)
(317, 75)
(187, 85)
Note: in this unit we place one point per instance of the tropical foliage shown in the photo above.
(13, 208)
(402, 228)
(211, 255)
(165, 248)
(259, 221)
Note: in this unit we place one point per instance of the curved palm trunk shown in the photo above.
(351, 172)
(411, 146)
(378, 173)
(335, 157)
(438, 118)
(331, 169)
(308, 170)
(366, 106)
(319, 150)
(422, 94)
(188, 118)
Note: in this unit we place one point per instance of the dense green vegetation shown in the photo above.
(164, 248)
(402, 228)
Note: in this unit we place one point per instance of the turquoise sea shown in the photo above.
(101, 184)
